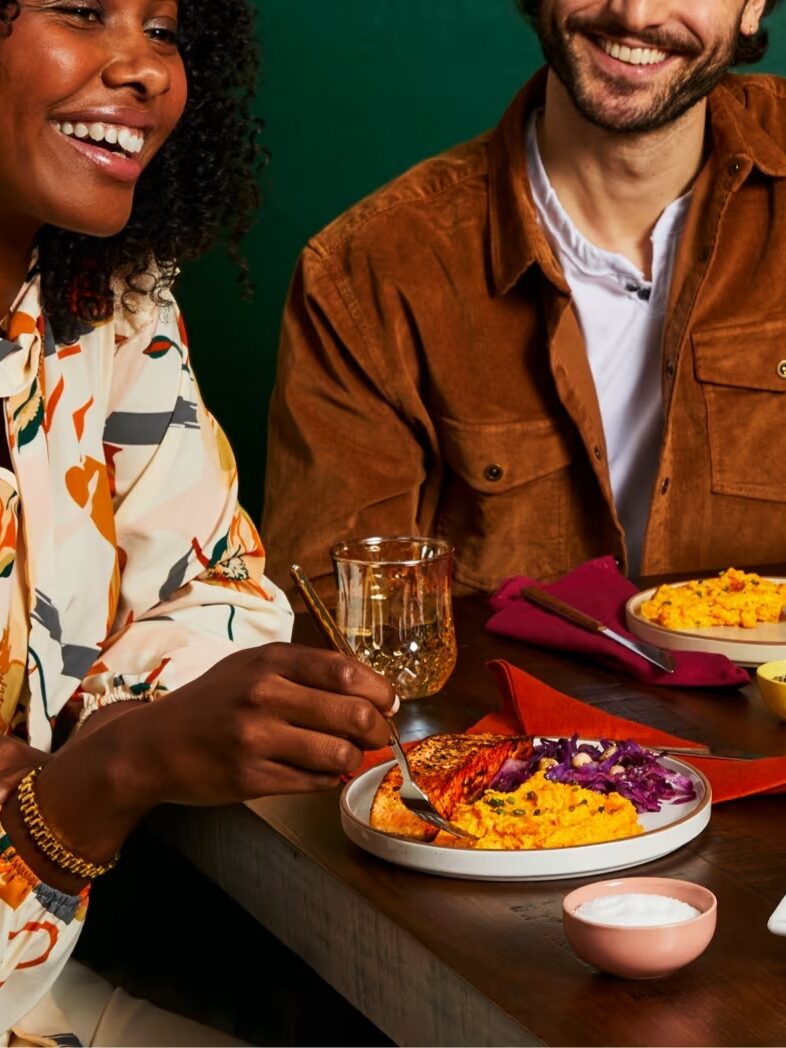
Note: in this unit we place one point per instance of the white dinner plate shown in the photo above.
(749, 647)
(664, 832)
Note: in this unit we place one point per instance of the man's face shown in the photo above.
(637, 65)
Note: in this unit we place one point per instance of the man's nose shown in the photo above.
(640, 14)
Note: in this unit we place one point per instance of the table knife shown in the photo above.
(720, 753)
(657, 656)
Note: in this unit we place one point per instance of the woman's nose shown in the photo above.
(135, 64)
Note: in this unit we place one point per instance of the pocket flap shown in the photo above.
(746, 356)
(494, 457)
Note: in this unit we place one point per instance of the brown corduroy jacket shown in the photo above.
(433, 378)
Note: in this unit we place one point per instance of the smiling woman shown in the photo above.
(128, 572)
(151, 204)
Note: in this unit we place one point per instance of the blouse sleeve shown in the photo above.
(188, 588)
(192, 587)
(39, 927)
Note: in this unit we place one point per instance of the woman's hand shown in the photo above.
(276, 719)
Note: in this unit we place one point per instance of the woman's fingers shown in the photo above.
(346, 716)
(273, 777)
(324, 671)
(314, 752)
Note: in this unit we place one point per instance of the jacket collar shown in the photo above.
(517, 240)
(737, 133)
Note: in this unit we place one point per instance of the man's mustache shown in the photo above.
(613, 28)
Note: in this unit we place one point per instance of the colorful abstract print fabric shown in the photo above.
(126, 563)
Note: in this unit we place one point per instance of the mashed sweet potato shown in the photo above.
(543, 814)
(734, 598)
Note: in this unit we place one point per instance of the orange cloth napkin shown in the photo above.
(534, 708)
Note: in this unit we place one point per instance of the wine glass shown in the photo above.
(394, 608)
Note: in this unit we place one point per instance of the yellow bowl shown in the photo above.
(773, 691)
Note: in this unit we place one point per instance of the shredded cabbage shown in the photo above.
(607, 766)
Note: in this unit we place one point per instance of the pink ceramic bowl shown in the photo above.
(638, 952)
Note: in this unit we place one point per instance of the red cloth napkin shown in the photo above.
(533, 707)
(598, 589)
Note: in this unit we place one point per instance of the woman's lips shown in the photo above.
(117, 165)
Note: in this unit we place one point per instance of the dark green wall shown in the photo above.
(354, 91)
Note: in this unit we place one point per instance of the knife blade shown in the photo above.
(720, 753)
(657, 656)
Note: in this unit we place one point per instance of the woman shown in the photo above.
(127, 571)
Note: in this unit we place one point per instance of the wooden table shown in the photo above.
(436, 961)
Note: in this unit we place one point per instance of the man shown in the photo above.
(565, 338)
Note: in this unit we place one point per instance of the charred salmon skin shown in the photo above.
(449, 769)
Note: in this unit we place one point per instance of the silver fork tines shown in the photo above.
(414, 799)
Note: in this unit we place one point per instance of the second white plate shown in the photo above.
(764, 643)
(664, 832)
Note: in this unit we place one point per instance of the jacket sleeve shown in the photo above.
(345, 458)
(191, 580)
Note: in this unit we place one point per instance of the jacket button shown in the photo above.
(735, 167)
(598, 453)
(670, 368)
(782, 369)
(493, 472)
(665, 486)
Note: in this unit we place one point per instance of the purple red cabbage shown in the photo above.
(643, 780)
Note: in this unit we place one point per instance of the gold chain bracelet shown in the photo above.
(45, 840)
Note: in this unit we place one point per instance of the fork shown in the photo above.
(412, 797)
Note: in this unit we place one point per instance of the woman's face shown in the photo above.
(89, 91)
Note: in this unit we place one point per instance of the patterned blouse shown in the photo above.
(126, 564)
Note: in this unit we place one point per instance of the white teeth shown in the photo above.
(129, 139)
(633, 55)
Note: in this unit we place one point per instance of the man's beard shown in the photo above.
(676, 98)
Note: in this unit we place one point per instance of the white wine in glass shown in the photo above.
(394, 607)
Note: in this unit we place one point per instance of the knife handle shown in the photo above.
(565, 611)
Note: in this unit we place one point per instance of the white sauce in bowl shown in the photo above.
(636, 908)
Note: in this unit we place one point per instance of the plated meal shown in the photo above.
(733, 598)
(736, 613)
(539, 808)
(511, 793)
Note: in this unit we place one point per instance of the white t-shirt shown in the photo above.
(621, 316)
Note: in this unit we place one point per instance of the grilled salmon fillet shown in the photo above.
(449, 769)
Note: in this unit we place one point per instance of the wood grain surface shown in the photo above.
(433, 960)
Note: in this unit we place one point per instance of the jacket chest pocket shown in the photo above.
(504, 504)
(742, 373)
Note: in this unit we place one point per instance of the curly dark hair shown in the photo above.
(200, 189)
(749, 50)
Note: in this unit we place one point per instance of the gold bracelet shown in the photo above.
(45, 840)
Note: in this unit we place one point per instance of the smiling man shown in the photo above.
(565, 338)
